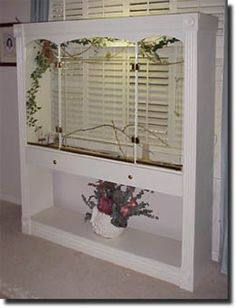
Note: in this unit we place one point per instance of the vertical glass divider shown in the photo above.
(135, 99)
(59, 96)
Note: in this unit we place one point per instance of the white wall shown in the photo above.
(10, 9)
(10, 174)
(1, 144)
(9, 146)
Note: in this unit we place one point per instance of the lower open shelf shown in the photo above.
(154, 255)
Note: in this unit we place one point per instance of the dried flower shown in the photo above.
(118, 201)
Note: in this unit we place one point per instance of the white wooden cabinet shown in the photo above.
(184, 262)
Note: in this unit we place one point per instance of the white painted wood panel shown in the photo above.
(145, 26)
(133, 241)
(156, 256)
(157, 179)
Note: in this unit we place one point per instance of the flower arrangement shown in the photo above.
(117, 201)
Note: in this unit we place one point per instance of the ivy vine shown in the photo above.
(43, 60)
(148, 48)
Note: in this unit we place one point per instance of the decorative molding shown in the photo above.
(189, 22)
(19, 30)
(189, 172)
(26, 225)
(215, 256)
(147, 25)
(186, 281)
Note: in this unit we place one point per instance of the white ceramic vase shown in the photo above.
(101, 224)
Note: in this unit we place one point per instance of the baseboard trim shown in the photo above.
(215, 256)
(9, 198)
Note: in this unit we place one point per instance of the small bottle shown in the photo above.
(51, 138)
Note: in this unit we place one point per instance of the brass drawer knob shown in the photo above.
(130, 176)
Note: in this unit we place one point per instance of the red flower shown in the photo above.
(105, 205)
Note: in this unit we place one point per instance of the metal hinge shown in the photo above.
(135, 67)
(58, 129)
(135, 140)
(59, 64)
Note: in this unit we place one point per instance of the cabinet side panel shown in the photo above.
(36, 182)
(189, 167)
(204, 158)
(40, 188)
(18, 31)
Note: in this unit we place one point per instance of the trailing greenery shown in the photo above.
(43, 61)
(118, 201)
(45, 57)
(148, 48)
(31, 104)
(97, 42)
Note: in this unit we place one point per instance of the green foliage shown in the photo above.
(42, 65)
(149, 48)
(118, 201)
(97, 42)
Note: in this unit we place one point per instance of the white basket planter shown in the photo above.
(101, 224)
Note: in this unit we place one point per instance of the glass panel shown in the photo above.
(160, 101)
(41, 93)
(98, 97)
(86, 88)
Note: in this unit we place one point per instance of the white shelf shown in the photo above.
(153, 255)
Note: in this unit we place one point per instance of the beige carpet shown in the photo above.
(33, 268)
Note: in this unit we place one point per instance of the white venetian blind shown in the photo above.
(72, 9)
(152, 7)
(96, 94)
(170, 126)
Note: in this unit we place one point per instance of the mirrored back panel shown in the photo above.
(160, 101)
(97, 97)
(108, 97)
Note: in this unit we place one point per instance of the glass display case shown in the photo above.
(108, 97)
(127, 101)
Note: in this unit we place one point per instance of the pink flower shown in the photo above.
(105, 205)
(124, 211)
(132, 203)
